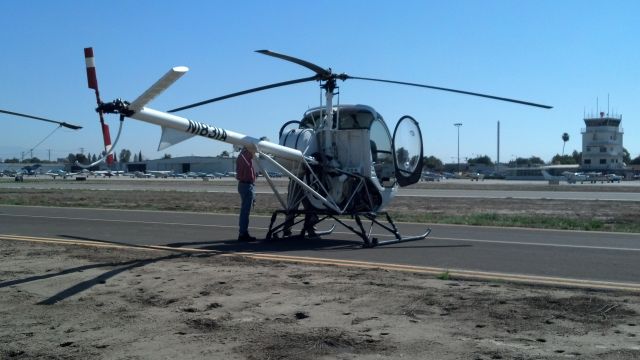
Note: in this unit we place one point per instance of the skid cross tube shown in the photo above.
(289, 222)
(365, 235)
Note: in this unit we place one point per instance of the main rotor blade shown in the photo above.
(325, 73)
(61, 123)
(450, 90)
(271, 86)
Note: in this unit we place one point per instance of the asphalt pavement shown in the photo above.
(594, 256)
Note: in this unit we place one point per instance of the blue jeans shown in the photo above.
(247, 195)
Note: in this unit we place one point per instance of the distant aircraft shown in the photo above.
(59, 172)
(30, 170)
(107, 173)
(568, 175)
(476, 176)
(159, 173)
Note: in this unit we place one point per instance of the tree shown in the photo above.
(32, 160)
(534, 160)
(82, 159)
(125, 155)
(481, 160)
(433, 163)
(135, 157)
(626, 157)
(563, 160)
(635, 161)
(565, 138)
(577, 156)
(140, 155)
(12, 161)
(93, 158)
(402, 159)
(71, 158)
(224, 153)
(167, 156)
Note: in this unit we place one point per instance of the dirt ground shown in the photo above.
(78, 302)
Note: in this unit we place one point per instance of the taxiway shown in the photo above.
(610, 258)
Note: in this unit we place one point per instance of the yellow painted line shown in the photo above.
(452, 273)
(479, 275)
(97, 244)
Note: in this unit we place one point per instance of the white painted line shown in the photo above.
(335, 232)
(536, 244)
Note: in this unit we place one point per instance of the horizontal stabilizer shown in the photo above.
(171, 137)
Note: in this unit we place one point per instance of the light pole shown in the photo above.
(457, 125)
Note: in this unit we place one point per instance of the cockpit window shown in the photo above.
(381, 152)
(347, 119)
(355, 120)
(310, 121)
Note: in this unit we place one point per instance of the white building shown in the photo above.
(602, 143)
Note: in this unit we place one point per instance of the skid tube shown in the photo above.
(281, 230)
(365, 235)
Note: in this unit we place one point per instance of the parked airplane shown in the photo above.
(575, 177)
(61, 173)
(160, 173)
(30, 170)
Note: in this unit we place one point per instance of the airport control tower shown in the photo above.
(602, 143)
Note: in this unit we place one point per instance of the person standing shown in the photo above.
(246, 176)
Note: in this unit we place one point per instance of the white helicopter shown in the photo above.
(341, 160)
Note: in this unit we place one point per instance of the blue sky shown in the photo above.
(562, 53)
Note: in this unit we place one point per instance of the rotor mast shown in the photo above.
(326, 136)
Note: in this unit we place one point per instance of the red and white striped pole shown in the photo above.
(92, 81)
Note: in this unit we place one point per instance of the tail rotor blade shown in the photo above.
(92, 78)
(92, 82)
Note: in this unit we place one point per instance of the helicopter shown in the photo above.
(341, 160)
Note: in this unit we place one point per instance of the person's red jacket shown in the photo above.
(244, 167)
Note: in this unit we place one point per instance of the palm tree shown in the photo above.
(565, 138)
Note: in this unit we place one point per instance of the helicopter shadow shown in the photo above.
(120, 243)
(87, 284)
(115, 268)
(293, 243)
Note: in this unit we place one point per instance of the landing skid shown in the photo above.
(311, 218)
(284, 229)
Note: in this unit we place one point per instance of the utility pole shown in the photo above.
(498, 162)
(457, 125)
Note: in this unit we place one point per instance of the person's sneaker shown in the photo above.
(246, 238)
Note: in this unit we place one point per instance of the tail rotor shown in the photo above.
(92, 82)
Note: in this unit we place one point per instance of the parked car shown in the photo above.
(431, 176)
(614, 178)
